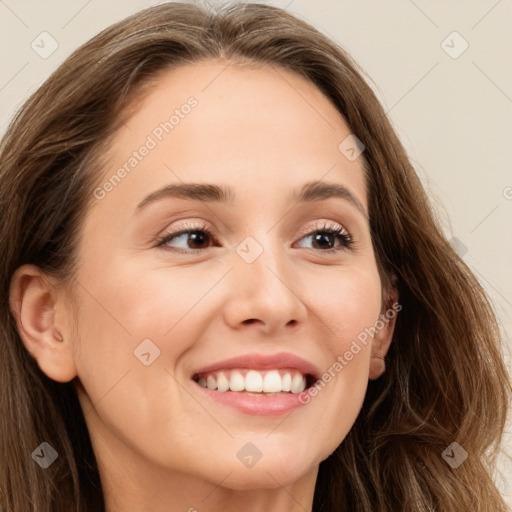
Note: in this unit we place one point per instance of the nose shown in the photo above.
(264, 295)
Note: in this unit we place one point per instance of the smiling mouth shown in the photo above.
(249, 381)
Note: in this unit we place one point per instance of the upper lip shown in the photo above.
(263, 362)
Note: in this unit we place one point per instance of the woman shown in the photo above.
(225, 286)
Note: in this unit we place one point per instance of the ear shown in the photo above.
(385, 328)
(38, 307)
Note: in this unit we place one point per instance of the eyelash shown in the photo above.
(332, 229)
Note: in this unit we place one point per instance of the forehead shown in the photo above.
(252, 127)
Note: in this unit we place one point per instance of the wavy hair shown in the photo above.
(446, 380)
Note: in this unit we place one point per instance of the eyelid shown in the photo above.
(202, 225)
(187, 226)
(327, 225)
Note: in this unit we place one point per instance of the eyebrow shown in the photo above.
(208, 192)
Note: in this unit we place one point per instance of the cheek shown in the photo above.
(346, 300)
(353, 310)
(134, 327)
(123, 318)
(119, 309)
(348, 305)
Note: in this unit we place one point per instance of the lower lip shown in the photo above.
(260, 404)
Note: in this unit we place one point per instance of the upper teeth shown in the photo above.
(271, 381)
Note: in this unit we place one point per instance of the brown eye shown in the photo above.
(325, 239)
(189, 239)
(196, 238)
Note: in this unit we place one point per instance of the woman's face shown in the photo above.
(251, 297)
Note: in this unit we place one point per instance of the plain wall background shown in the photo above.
(452, 109)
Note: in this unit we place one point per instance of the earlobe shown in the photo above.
(377, 367)
(35, 305)
(384, 335)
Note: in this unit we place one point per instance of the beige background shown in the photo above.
(453, 112)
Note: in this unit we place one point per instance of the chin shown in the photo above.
(275, 468)
(265, 476)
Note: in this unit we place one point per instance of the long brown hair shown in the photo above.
(445, 382)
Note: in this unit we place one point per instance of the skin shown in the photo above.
(160, 444)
